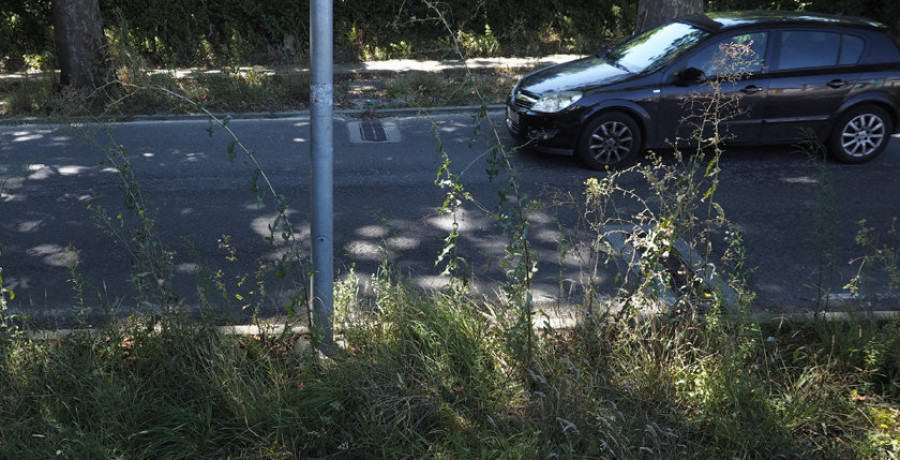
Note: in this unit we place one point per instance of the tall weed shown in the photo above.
(458, 375)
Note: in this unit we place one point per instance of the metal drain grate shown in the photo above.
(372, 131)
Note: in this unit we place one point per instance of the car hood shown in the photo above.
(578, 74)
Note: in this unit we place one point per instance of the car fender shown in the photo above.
(638, 112)
(872, 97)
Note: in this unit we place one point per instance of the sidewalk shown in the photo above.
(370, 67)
(364, 83)
(405, 65)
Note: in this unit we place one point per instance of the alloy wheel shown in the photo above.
(863, 135)
(611, 142)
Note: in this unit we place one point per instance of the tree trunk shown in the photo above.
(80, 43)
(652, 13)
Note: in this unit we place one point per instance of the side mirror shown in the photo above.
(690, 76)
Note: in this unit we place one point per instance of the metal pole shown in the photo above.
(322, 156)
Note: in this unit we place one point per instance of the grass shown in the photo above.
(451, 374)
(256, 90)
(430, 376)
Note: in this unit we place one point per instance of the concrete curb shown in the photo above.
(400, 112)
(556, 322)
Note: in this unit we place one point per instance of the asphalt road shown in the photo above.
(53, 179)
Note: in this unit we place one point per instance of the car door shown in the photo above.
(730, 96)
(812, 73)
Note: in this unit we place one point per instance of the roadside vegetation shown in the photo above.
(256, 49)
(672, 365)
(255, 90)
(435, 376)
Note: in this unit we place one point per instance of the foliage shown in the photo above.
(427, 376)
(196, 32)
(456, 375)
(24, 31)
(232, 32)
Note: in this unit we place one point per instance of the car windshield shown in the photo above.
(655, 47)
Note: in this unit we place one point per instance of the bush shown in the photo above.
(240, 32)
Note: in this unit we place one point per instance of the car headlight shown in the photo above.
(554, 102)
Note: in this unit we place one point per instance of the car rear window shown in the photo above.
(882, 49)
(802, 49)
(851, 49)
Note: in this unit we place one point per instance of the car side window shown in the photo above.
(802, 49)
(733, 54)
(851, 49)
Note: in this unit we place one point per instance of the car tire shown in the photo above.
(860, 134)
(610, 140)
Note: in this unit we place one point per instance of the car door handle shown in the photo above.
(837, 83)
(752, 89)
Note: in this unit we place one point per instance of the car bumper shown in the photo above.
(554, 133)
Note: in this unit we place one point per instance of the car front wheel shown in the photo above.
(612, 139)
(860, 134)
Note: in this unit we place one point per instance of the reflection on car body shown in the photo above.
(837, 78)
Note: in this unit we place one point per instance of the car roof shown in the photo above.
(738, 19)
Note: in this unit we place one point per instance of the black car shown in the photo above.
(794, 74)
